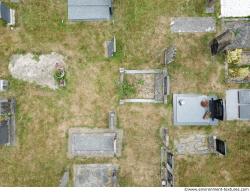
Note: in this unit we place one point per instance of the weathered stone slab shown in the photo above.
(192, 144)
(193, 24)
(95, 175)
(241, 31)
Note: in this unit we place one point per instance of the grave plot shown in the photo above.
(199, 143)
(195, 109)
(44, 70)
(144, 86)
(241, 31)
(237, 66)
(95, 175)
(94, 142)
(235, 44)
(88, 142)
(192, 24)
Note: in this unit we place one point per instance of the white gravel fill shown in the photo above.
(235, 8)
(40, 71)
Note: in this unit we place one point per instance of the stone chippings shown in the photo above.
(36, 69)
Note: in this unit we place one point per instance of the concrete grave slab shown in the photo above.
(193, 24)
(89, 10)
(188, 110)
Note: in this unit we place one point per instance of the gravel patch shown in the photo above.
(36, 69)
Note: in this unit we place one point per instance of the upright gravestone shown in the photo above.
(7, 14)
(4, 85)
(220, 42)
(210, 6)
(110, 47)
(112, 120)
(169, 55)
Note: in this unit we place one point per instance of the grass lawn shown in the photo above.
(142, 31)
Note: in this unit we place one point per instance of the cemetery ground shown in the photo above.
(142, 30)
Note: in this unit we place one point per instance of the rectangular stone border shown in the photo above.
(124, 71)
(119, 133)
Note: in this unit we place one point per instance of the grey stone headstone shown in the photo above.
(169, 55)
(244, 96)
(7, 14)
(110, 47)
(4, 85)
(210, 6)
(244, 112)
(112, 120)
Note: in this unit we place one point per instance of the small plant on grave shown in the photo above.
(60, 76)
(36, 57)
(126, 89)
(241, 72)
(234, 57)
(2, 118)
(5, 117)
(236, 32)
(140, 82)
